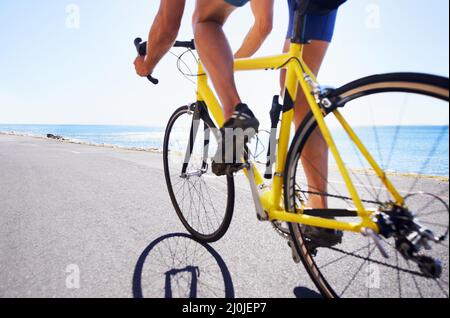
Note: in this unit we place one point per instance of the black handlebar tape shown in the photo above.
(141, 48)
(186, 44)
(153, 80)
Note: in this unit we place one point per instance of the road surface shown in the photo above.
(85, 221)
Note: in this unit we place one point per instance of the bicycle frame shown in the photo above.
(299, 73)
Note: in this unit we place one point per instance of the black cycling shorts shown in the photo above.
(318, 27)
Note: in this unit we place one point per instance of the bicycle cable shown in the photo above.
(181, 61)
(334, 196)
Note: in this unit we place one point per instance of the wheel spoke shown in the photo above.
(431, 154)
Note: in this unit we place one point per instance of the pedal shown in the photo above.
(261, 214)
(377, 240)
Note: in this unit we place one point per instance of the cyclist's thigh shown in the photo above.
(212, 11)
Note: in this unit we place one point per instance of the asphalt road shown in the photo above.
(84, 221)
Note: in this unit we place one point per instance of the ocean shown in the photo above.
(418, 149)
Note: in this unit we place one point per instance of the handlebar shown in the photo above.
(186, 44)
(141, 48)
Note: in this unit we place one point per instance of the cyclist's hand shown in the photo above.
(142, 69)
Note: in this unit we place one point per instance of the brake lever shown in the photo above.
(141, 48)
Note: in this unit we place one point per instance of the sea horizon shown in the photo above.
(417, 142)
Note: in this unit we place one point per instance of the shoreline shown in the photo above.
(79, 142)
(160, 151)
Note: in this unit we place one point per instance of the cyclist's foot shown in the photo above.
(244, 126)
(320, 237)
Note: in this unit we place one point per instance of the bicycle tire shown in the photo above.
(422, 84)
(222, 229)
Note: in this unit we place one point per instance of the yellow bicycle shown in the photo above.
(395, 219)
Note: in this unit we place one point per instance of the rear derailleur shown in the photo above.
(411, 238)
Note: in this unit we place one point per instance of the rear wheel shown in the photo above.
(203, 201)
(403, 120)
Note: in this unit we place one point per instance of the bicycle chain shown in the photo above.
(355, 255)
(338, 197)
(408, 271)
(279, 232)
(284, 235)
(351, 254)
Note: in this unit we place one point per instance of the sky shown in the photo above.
(71, 62)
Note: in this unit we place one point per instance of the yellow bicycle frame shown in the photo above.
(297, 74)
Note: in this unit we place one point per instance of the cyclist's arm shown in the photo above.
(263, 13)
(162, 35)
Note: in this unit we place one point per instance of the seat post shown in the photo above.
(300, 21)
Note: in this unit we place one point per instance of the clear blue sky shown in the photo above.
(50, 73)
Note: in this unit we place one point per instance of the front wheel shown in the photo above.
(204, 202)
(403, 121)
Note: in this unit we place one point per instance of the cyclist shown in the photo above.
(216, 56)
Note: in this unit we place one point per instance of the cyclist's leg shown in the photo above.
(320, 29)
(217, 57)
(215, 51)
(315, 155)
(262, 27)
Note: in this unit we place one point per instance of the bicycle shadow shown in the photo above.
(306, 293)
(178, 266)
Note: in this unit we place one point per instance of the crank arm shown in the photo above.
(261, 214)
